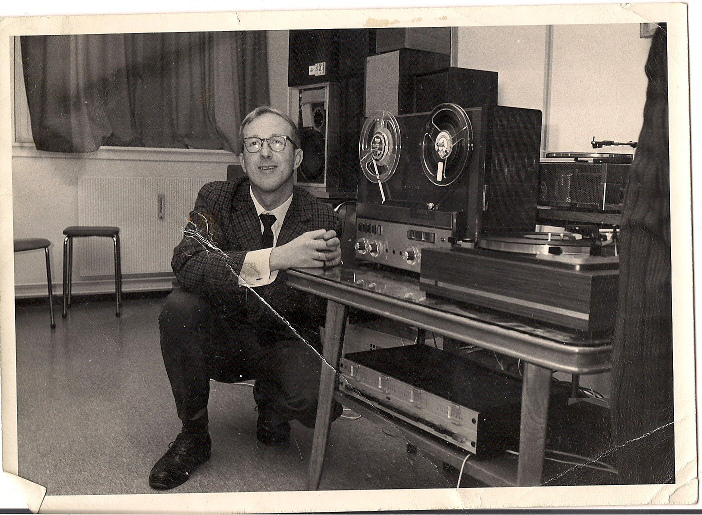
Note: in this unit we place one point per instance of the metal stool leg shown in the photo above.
(51, 290)
(70, 270)
(118, 273)
(65, 276)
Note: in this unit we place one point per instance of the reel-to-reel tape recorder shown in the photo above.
(431, 179)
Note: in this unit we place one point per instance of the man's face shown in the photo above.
(268, 170)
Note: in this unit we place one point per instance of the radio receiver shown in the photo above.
(430, 179)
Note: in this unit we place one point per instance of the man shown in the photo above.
(235, 318)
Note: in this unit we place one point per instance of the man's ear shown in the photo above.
(298, 158)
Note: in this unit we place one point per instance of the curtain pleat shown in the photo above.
(170, 90)
(642, 355)
(229, 102)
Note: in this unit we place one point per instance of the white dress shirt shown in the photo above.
(256, 269)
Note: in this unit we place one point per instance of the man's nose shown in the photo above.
(266, 148)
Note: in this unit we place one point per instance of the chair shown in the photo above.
(25, 244)
(84, 231)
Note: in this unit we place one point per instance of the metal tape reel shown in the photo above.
(379, 146)
(447, 144)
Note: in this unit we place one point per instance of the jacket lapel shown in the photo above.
(296, 220)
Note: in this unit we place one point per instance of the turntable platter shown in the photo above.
(537, 243)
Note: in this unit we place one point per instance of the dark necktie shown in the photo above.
(267, 236)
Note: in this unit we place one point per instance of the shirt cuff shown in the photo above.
(256, 270)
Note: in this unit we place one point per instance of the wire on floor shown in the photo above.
(587, 463)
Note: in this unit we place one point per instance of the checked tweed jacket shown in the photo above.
(225, 214)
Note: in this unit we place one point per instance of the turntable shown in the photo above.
(556, 278)
(431, 179)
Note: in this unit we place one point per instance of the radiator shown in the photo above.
(150, 212)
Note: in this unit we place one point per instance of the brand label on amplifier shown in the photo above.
(318, 69)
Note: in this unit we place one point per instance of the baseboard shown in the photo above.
(99, 286)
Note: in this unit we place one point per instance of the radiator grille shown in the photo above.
(132, 204)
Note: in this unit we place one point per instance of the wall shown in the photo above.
(587, 79)
(45, 192)
(518, 56)
(278, 68)
(598, 86)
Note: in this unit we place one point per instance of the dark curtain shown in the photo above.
(642, 361)
(165, 90)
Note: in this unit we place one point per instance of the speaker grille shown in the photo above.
(512, 166)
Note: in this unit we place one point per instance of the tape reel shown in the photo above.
(447, 144)
(379, 146)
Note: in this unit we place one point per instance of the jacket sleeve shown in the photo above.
(202, 262)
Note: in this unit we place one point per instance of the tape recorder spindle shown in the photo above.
(431, 179)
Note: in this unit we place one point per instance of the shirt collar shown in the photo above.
(279, 212)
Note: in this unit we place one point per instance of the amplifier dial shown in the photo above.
(411, 255)
(361, 246)
(374, 248)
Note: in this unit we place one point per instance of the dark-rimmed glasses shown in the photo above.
(254, 144)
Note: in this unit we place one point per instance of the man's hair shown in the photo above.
(260, 111)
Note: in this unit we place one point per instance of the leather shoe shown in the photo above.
(271, 433)
(184, 455)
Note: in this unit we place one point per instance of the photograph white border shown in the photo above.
(686, 488)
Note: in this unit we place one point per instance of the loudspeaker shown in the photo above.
(414, 81)
(432, 39)
(389, 78)
(317, 56)
(462, 86)
(316, 109)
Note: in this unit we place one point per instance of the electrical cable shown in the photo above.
(348, 417)
(460, 474)
(604, 468)
(587, 460)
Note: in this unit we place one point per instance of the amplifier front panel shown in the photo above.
(433, 413)
(397, 245)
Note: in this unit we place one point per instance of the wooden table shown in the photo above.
(543, 350)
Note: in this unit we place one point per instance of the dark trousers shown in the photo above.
(200, 342)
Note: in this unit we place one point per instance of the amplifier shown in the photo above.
(471, 406)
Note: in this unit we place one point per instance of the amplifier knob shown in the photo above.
(411, 255)
(374, 248)
(361, 246)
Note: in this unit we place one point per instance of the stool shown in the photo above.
(24, 244)
(84, 231)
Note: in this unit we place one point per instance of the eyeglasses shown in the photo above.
(275, 143)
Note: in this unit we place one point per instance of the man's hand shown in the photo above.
(313, 249)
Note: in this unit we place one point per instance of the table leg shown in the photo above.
(331, 348)
(536, 390)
